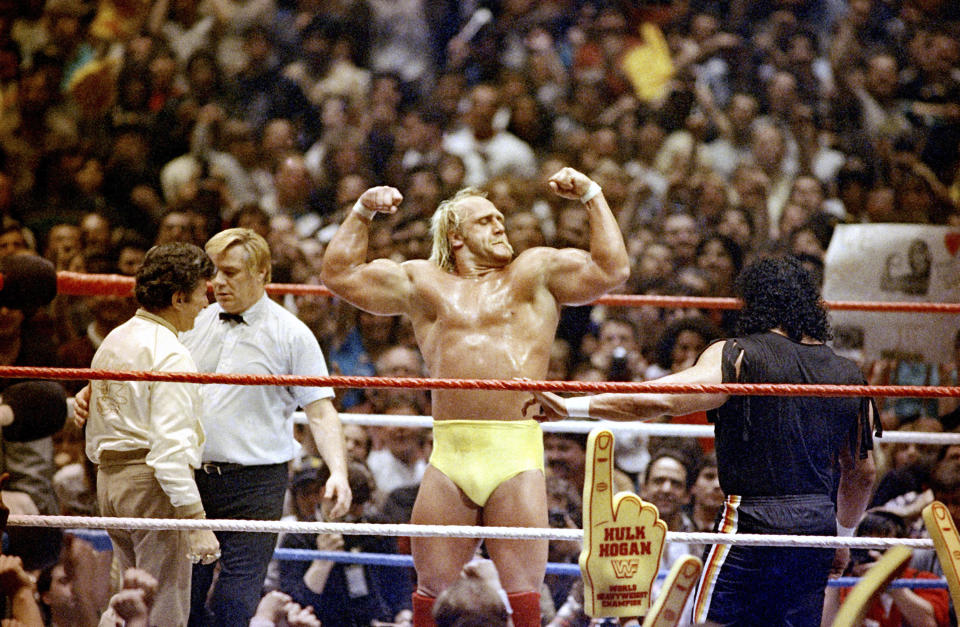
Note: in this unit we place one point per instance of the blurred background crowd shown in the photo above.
(718, 129)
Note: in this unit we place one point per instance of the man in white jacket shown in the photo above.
(146, 436)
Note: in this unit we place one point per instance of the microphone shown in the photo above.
(26, 281)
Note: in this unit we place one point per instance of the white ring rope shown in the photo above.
(654, 429)
(444, 531)
(507, 533)
(618, 428)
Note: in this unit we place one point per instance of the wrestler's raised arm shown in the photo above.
(574, 276)
(380, 286)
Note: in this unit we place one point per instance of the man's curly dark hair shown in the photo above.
(779, 293)
(168, 269)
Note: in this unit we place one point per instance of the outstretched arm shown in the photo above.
(380, 286)
(626, 407)
(576, 277)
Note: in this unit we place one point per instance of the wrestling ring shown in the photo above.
(91, 527)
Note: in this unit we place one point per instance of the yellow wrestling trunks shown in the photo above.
(479, 455)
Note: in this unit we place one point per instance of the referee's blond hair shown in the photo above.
(256, 248)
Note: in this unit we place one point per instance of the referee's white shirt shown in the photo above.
(253, 424)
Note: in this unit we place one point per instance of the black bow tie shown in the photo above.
(231, 317)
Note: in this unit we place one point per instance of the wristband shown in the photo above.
(592, 191)
(362, 211)
(845, 531)
(577, 407)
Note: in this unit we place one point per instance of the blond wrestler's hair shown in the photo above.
(446, 221)
(256, 248)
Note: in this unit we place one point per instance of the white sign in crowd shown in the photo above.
(899, 263)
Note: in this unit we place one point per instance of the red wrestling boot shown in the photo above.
(526, 608)
(423, 610)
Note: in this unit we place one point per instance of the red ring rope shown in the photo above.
(757, 389)
(79, 284)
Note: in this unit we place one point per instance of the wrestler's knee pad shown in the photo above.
(423, 610)
(526, 608)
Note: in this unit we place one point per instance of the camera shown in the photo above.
(619, 369)
(859, 556)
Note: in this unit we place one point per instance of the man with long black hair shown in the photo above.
(787, 464)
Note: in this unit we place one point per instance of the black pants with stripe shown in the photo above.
(754, 586)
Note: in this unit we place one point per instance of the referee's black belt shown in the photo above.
(220, 468)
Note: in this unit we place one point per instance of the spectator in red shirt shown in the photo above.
(896, 607)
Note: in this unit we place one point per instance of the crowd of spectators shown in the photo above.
(719, 130)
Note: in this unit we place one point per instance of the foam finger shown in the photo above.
(649, 514)
(667, 610)
(943, 531)
(628, 507)
(598, 479)
(893, 562)
(658, 530)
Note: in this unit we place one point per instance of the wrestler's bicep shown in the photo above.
(381, 286)
(573, 277)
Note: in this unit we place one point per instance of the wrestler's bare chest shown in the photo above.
(487, 320)
(487, 303)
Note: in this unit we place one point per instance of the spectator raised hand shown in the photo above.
(131, 606)
(277, 608)
(19, 587)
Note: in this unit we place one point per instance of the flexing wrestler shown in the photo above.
(479, 313)
(797, 465)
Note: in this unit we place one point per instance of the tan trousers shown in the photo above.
(130, 490)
